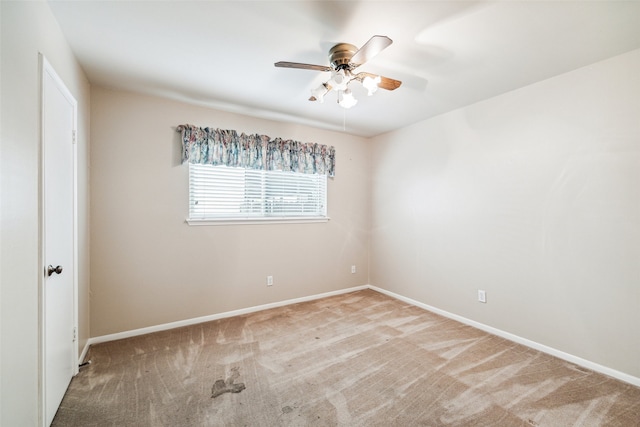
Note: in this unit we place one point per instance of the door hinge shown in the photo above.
(75, 334)
(73, 136)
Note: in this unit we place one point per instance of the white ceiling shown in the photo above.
(447, 53)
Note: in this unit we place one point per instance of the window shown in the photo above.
(232, 194)
(254, 178)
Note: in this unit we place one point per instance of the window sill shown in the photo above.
(256, 221)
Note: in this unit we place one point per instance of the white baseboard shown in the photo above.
(515, 338)
(194, 321)
(85, 350)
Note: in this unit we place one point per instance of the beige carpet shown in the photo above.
(360, 359)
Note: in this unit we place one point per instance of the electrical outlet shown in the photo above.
(353, 269)
(269, 280)
(482, 296)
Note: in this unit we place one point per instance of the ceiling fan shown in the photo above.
(344, 59)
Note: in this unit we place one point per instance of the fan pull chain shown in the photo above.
(344, 119)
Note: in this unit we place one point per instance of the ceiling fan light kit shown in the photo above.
(344, 59)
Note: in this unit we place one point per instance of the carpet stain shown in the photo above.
(287, 409)
(228, 386)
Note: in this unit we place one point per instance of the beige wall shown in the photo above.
(28, 28)
(148, 267)
(533, 196)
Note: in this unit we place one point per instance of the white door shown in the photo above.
(58, 240)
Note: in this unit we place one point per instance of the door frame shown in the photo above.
(45, 69)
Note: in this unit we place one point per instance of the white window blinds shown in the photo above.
(223, 193)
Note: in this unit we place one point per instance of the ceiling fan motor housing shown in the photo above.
(341, 54)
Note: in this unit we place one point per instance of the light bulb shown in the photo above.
(318, 93)
(371, 84)
(339, 80)
(346, 99)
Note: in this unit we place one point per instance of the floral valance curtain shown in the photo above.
(226, 147)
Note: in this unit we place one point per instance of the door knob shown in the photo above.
(51, 269)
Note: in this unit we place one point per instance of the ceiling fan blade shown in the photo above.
(284, 64)
(374, 46)
(385, 82)
(389, 84)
